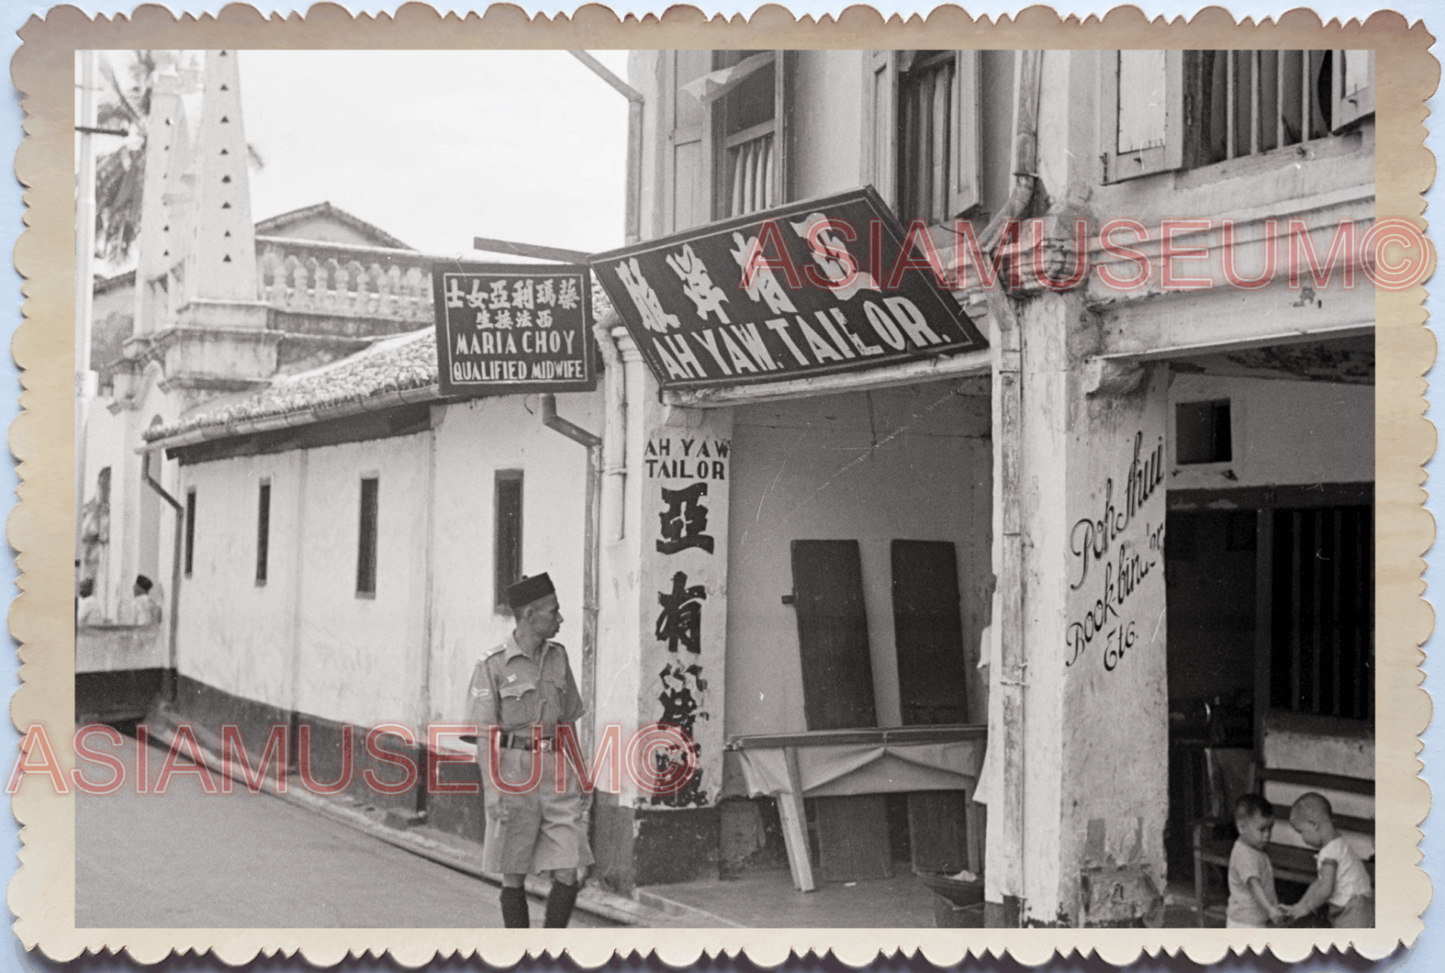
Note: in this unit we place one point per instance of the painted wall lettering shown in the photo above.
(683, 689)
(684, 522)
(1090, 539)
(680, 621)
(1129, 557)
(687, 493)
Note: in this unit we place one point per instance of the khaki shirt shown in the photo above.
(510, 689)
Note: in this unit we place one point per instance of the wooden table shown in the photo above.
(834, 763)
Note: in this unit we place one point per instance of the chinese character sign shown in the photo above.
(684, 573)
(504, 329)
(806, 289)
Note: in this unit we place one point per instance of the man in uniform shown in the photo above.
(526, 682)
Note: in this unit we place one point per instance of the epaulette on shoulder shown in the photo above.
(493, 650)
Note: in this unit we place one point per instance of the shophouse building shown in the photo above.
(1020, 600)
(1079, 539)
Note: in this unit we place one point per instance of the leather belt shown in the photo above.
(523, 741)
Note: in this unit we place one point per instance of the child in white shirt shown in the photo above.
(1343, 881)
(1252, 900)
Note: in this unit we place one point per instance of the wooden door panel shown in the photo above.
(833, 635)
(932, 685)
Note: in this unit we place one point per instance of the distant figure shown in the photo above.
(145, 606)
(87, 606)
(1343, 881)
(1252, 900)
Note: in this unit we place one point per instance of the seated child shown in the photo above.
(1343, 881)
(1252, 900)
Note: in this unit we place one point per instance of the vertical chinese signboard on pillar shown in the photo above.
(518, 328)
(812, 288)
(683, 587)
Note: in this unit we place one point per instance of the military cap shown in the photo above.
(528, 590)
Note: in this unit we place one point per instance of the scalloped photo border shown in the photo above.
(41, 894)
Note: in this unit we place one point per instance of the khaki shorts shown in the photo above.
(540, 830)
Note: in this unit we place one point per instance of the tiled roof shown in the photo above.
(396, 364)
(400, 363)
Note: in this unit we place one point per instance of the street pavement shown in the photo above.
(241, 860)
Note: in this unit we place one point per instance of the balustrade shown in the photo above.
(344, 281)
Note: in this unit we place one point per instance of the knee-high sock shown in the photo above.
(559, 905)
(514, 908)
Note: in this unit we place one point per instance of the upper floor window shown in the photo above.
(923, 126)
(1167, 110)
(727, 148)
(747, 125)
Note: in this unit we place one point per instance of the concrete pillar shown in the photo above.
(1095, 725)
(662, 630)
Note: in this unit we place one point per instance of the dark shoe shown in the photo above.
(559, 905)
(514, 908)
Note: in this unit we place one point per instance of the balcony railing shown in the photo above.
(752, 170)
(343, 280)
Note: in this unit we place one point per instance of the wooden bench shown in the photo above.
(1214, 837)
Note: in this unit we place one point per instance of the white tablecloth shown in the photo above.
(841, 769)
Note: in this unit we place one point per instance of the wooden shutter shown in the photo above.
(688, 159)
(964, 192)
(880, 124)
(838, 694)
(1353, 84)
(833, 635)
(1143, 113)
(932, 687)
(781, 131)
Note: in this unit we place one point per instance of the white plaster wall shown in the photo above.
(1283, 432)
(826, 145)
(1350, 755)
(807, 469)
(233, 634)
(359, 659)
(1115, 786)
(106, 446)
(137, 544)
(474, 440)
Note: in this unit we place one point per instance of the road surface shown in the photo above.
(189, 859)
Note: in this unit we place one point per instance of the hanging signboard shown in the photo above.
(810, 288)
(513, 328)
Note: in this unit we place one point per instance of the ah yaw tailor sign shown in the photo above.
(504, 329)
(811, 288)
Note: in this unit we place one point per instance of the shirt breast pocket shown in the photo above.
(521, 703)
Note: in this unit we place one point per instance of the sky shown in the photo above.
(439, 147)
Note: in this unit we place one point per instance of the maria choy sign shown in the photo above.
(811, 288)
(513, 328)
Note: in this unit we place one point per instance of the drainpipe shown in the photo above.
(590, 551)
(614, 436)
(614, 429)
(635, 101)
(1008, 412)
(168, 685)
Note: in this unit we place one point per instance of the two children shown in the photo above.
(1341, 881)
